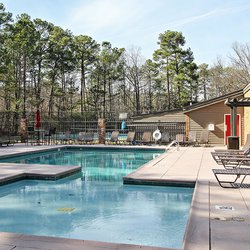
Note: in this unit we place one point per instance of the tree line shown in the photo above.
(45, 67)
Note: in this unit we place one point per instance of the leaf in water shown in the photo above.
(66, 209)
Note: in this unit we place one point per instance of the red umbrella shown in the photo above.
(38, 119)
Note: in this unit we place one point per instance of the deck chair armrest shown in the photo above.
(235, 173)
(228, 150)
(235, 157)
(227, 153)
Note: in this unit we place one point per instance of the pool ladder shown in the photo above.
(173, 143)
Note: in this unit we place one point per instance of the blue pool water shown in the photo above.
(94, 204)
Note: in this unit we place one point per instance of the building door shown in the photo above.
(227, 127)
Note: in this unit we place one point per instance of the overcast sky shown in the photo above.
(209, 26)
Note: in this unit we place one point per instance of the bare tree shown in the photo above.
(223, 79)
(134, 74)
(241, 61)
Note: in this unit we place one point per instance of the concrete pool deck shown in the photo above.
(219, 217)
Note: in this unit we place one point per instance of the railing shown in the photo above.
(173, 128)
(10, 123)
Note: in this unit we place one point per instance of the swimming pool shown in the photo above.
(94, 204)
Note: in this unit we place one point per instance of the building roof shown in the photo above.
(196, 106)
(165, 112)
(212, 101)
(166, 116)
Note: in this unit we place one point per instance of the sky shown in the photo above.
(210, 27)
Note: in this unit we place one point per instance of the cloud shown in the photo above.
(216, 12)
(110, 15)
(192, 19)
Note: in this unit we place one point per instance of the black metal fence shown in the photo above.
(76, 126)
(172, 128)
(10, 123)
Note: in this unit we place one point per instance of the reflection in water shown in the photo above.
(94, 204)
(96, 164)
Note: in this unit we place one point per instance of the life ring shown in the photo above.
(157, 135)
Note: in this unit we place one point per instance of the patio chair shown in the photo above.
(131, 137)
(245, 146)
(12, 140)
(114, 137)
(218, 155)
(165, 138)
(30, 135)
(4, 140)
(180, 139)
(146, 137)
(228, 182)
(50, 136)
(192, 139)
(66, 138)
(85, 137)
(96, 137)
(80, 137)
(89, 138)
(232, 162)
(204, 138)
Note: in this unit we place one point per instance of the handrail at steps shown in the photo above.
(175, 142)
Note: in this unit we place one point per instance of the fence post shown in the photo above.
(101, 130)
(23, 129)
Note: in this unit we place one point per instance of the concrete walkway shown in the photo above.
(219, 218)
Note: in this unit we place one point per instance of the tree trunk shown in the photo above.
(83, 88)
(24, 83)
(51, 98)
(110, 95)
(38, 88)
(137, 99)
(168, 91)
(205, 90)
(104, 95)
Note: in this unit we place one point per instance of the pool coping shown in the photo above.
(136, 179)
(31, 173)
(61, 171)
(19, 171)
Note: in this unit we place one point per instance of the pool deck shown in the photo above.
(219, 218)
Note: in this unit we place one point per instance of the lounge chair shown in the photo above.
(246, 146)
(131, 137)
(218, 155)
(221, 157)
(66, 138)
(204, 138)
(165, 138)
(80, 137)
(232, 162)
(50, 136)
(7, 140)
(30, 136)
(228, 182)
(114, 137)
(96, 137)
(146, 137)
(180, 139)
(85, 137)
(4, 140)
(192, 139)
(12, 140)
